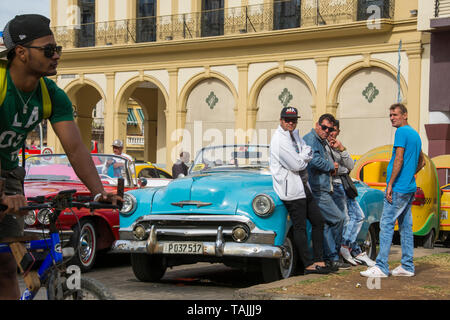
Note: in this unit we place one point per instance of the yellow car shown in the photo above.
(442, 164)
(445, 208)
(149, 170)
(371, 168)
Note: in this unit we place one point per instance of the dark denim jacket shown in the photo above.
(320, 166)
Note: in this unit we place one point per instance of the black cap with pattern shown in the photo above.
(23, 29)
(289, 112)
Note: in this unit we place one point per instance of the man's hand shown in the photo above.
(109, 198)
(389, 193)
(336, 167)
(14, 203)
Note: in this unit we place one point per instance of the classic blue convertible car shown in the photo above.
(225, 211)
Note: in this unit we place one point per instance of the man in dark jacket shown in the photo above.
(320, 170)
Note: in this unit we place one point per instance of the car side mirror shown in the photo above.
(142, 182)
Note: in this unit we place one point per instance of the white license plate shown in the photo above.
(183, 248)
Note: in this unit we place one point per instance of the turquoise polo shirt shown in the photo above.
(407, 138)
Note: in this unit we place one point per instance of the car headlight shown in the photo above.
(263, 205)
(30, 218)
(129, 204)
(43, 216)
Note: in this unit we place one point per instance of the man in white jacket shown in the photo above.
(289, 157)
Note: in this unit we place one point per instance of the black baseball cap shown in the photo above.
(23, 29)
(289, 112)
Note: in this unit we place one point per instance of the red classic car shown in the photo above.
(46, 175)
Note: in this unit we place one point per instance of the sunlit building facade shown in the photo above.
(219, 71)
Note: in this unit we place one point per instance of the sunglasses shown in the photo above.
(325, 128)
(49, 50)
(287, 120)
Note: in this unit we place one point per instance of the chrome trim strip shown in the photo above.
(45, 232)
(199, 204)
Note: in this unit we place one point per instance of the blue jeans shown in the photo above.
(399, 209)
(353, 227)
(334, 224)
(354, 218)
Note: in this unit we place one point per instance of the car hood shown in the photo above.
(48, 188)
(212, 193)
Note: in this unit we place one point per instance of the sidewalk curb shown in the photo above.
(259, 292)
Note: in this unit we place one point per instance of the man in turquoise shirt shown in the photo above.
(407, 159)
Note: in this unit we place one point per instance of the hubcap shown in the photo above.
(287, 262)
(86, 246)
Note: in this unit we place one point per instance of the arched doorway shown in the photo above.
(280, 91)
(88, 100)
(363, 109)
(210, 115)
(142, 103)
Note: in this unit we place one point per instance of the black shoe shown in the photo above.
(340, 265)
(332, 266)
(318, 270)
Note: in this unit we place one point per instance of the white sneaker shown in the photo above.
(373, 272)
(400, 272)
(345, 253)
(364, 259)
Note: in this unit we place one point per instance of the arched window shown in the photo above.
(286, 14)
(145, 20)
(212, 18)
(86, 36)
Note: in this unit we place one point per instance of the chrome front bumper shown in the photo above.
(218, 248)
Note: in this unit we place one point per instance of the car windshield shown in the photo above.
(231, 157)
(56, 167)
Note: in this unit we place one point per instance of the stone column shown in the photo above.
(242, 119)
(413, 95)
(108, 112)
(172, 137)
(322, 88)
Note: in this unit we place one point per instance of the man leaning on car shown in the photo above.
(289, 157)
(320, 170)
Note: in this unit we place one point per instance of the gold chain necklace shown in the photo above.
(25, 104)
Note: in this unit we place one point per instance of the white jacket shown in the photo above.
(285, 164)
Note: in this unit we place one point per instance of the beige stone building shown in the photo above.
(219, 71)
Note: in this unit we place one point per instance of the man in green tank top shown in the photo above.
(32, 55)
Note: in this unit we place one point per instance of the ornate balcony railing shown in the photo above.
(285, 14)
(441, 8)
(133, 140)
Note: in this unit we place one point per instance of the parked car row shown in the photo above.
(87, 232)
(225, 211)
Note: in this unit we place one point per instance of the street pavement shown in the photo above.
(202, 281)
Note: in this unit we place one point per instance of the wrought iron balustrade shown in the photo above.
(285, 14)
(441, 8)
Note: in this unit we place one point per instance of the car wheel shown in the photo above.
(428, 242)
(147, 268)
(370, 244)
(85, 245)
(277, 269)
